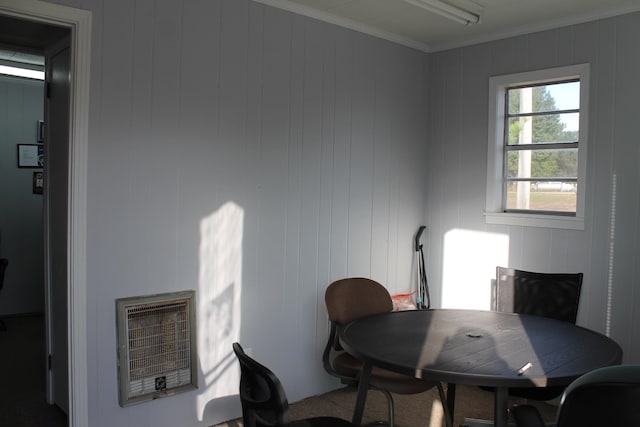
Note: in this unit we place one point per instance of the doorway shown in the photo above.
(31, 41)
(19, 14)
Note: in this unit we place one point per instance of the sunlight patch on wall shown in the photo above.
(220, 285)
(469, 266)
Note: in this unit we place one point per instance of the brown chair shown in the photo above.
(350, 299)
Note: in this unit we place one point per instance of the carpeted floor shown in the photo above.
(22, 369)
(422, 410)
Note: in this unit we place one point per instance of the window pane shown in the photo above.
(543, 163)
(548, 129)
(551, 97)
(542, 196)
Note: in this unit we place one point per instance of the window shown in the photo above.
(537, 148)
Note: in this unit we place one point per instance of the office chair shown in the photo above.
(352, 298)
(552, 295)
(264, 402)
(604, 397)
(3, 266)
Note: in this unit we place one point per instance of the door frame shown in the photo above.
(55, 309)
(79, 22)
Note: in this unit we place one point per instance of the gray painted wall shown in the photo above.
(21, 225)
(254, 155)
(457, 170)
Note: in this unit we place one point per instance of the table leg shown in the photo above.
(451, 399)
(501, 407)
(363, 388)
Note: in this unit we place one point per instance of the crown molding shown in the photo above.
(461, 42)
(344, 22)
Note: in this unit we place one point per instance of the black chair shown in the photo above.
(352, 298)
(552, 295)
(603, 397)
(3, 266)
(264, 402)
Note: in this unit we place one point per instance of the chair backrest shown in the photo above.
(603, 397)
(552, 295)
(264, 402)
(346, 300)
(355, 297)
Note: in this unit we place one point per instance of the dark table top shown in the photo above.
(479, 347)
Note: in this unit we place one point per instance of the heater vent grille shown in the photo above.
(156, 346)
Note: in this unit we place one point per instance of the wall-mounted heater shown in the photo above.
(156, 346)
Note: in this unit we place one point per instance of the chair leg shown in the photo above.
(390, 405)
(448, 418)
(443, 399)
(390, 415)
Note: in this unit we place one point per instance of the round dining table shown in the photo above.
(483, 348)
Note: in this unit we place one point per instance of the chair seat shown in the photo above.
(384, 379)
(535, 393)
(527, 416)
(321, 422)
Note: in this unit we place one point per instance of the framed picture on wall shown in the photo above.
(30, 155)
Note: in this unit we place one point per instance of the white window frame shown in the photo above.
(498, 85)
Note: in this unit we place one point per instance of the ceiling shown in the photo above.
(400, 21)
(403, 22)
(24, 41)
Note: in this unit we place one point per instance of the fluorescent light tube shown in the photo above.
(21, 72)
(446, 10)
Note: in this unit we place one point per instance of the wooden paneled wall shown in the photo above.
(311, 136)
(255, 156)
(607, 250)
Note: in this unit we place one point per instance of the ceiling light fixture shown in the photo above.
(21, 72)
(448, 11)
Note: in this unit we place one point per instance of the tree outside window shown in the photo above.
(541, 147)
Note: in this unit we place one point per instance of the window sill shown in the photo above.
(534, 220)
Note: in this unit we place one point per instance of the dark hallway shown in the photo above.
(23, 348)
(22, 370)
